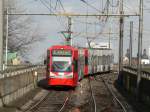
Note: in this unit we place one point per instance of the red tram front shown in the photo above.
(62, 66)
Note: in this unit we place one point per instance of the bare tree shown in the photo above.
(22, 31)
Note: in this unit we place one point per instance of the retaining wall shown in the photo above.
(15, 84)
(129, 81)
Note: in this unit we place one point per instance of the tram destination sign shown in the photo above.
(61, 52)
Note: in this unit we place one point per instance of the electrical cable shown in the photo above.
(56, 5)
(62, 6)
(112, 5)
(128, 6)
(90, 5)
(50, 9)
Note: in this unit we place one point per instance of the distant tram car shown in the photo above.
(66, 65)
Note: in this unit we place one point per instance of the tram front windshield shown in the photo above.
(61, 64)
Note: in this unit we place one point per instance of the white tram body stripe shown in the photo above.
(61, 75)
(62, 59)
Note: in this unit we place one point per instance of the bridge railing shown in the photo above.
(129, 82)
(16, 70)
(133, 71)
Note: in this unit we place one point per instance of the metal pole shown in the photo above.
(121, 37)
(1, 33)
(130, 44)
(109, 37)
(107, 6)
(69, 30)
(139, 48)
(6, 40)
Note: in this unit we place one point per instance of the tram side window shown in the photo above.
(86, 60)
(75, 65)
(45, 62)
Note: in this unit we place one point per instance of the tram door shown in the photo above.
(48, 64)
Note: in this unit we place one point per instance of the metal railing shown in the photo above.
(19, 70)
(133, 71)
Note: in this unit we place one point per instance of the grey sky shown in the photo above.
(50, 26)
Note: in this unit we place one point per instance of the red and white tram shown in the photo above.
(66, 65)
(63, 65)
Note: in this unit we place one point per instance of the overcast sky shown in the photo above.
(50, 26)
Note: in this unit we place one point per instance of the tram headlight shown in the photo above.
(51, 74)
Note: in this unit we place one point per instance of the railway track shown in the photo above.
(104, 100)
(101, 99)
(54, 101)
(123, 101)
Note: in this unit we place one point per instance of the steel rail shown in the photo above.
(113, 94)
(37, 103)
(93, 97)
(64, 104)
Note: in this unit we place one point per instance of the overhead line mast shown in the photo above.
(1, 32)
(139, 48)
(130, 44)
(121, 28)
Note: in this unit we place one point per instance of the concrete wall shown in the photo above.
(16, 86)
(129, 81)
